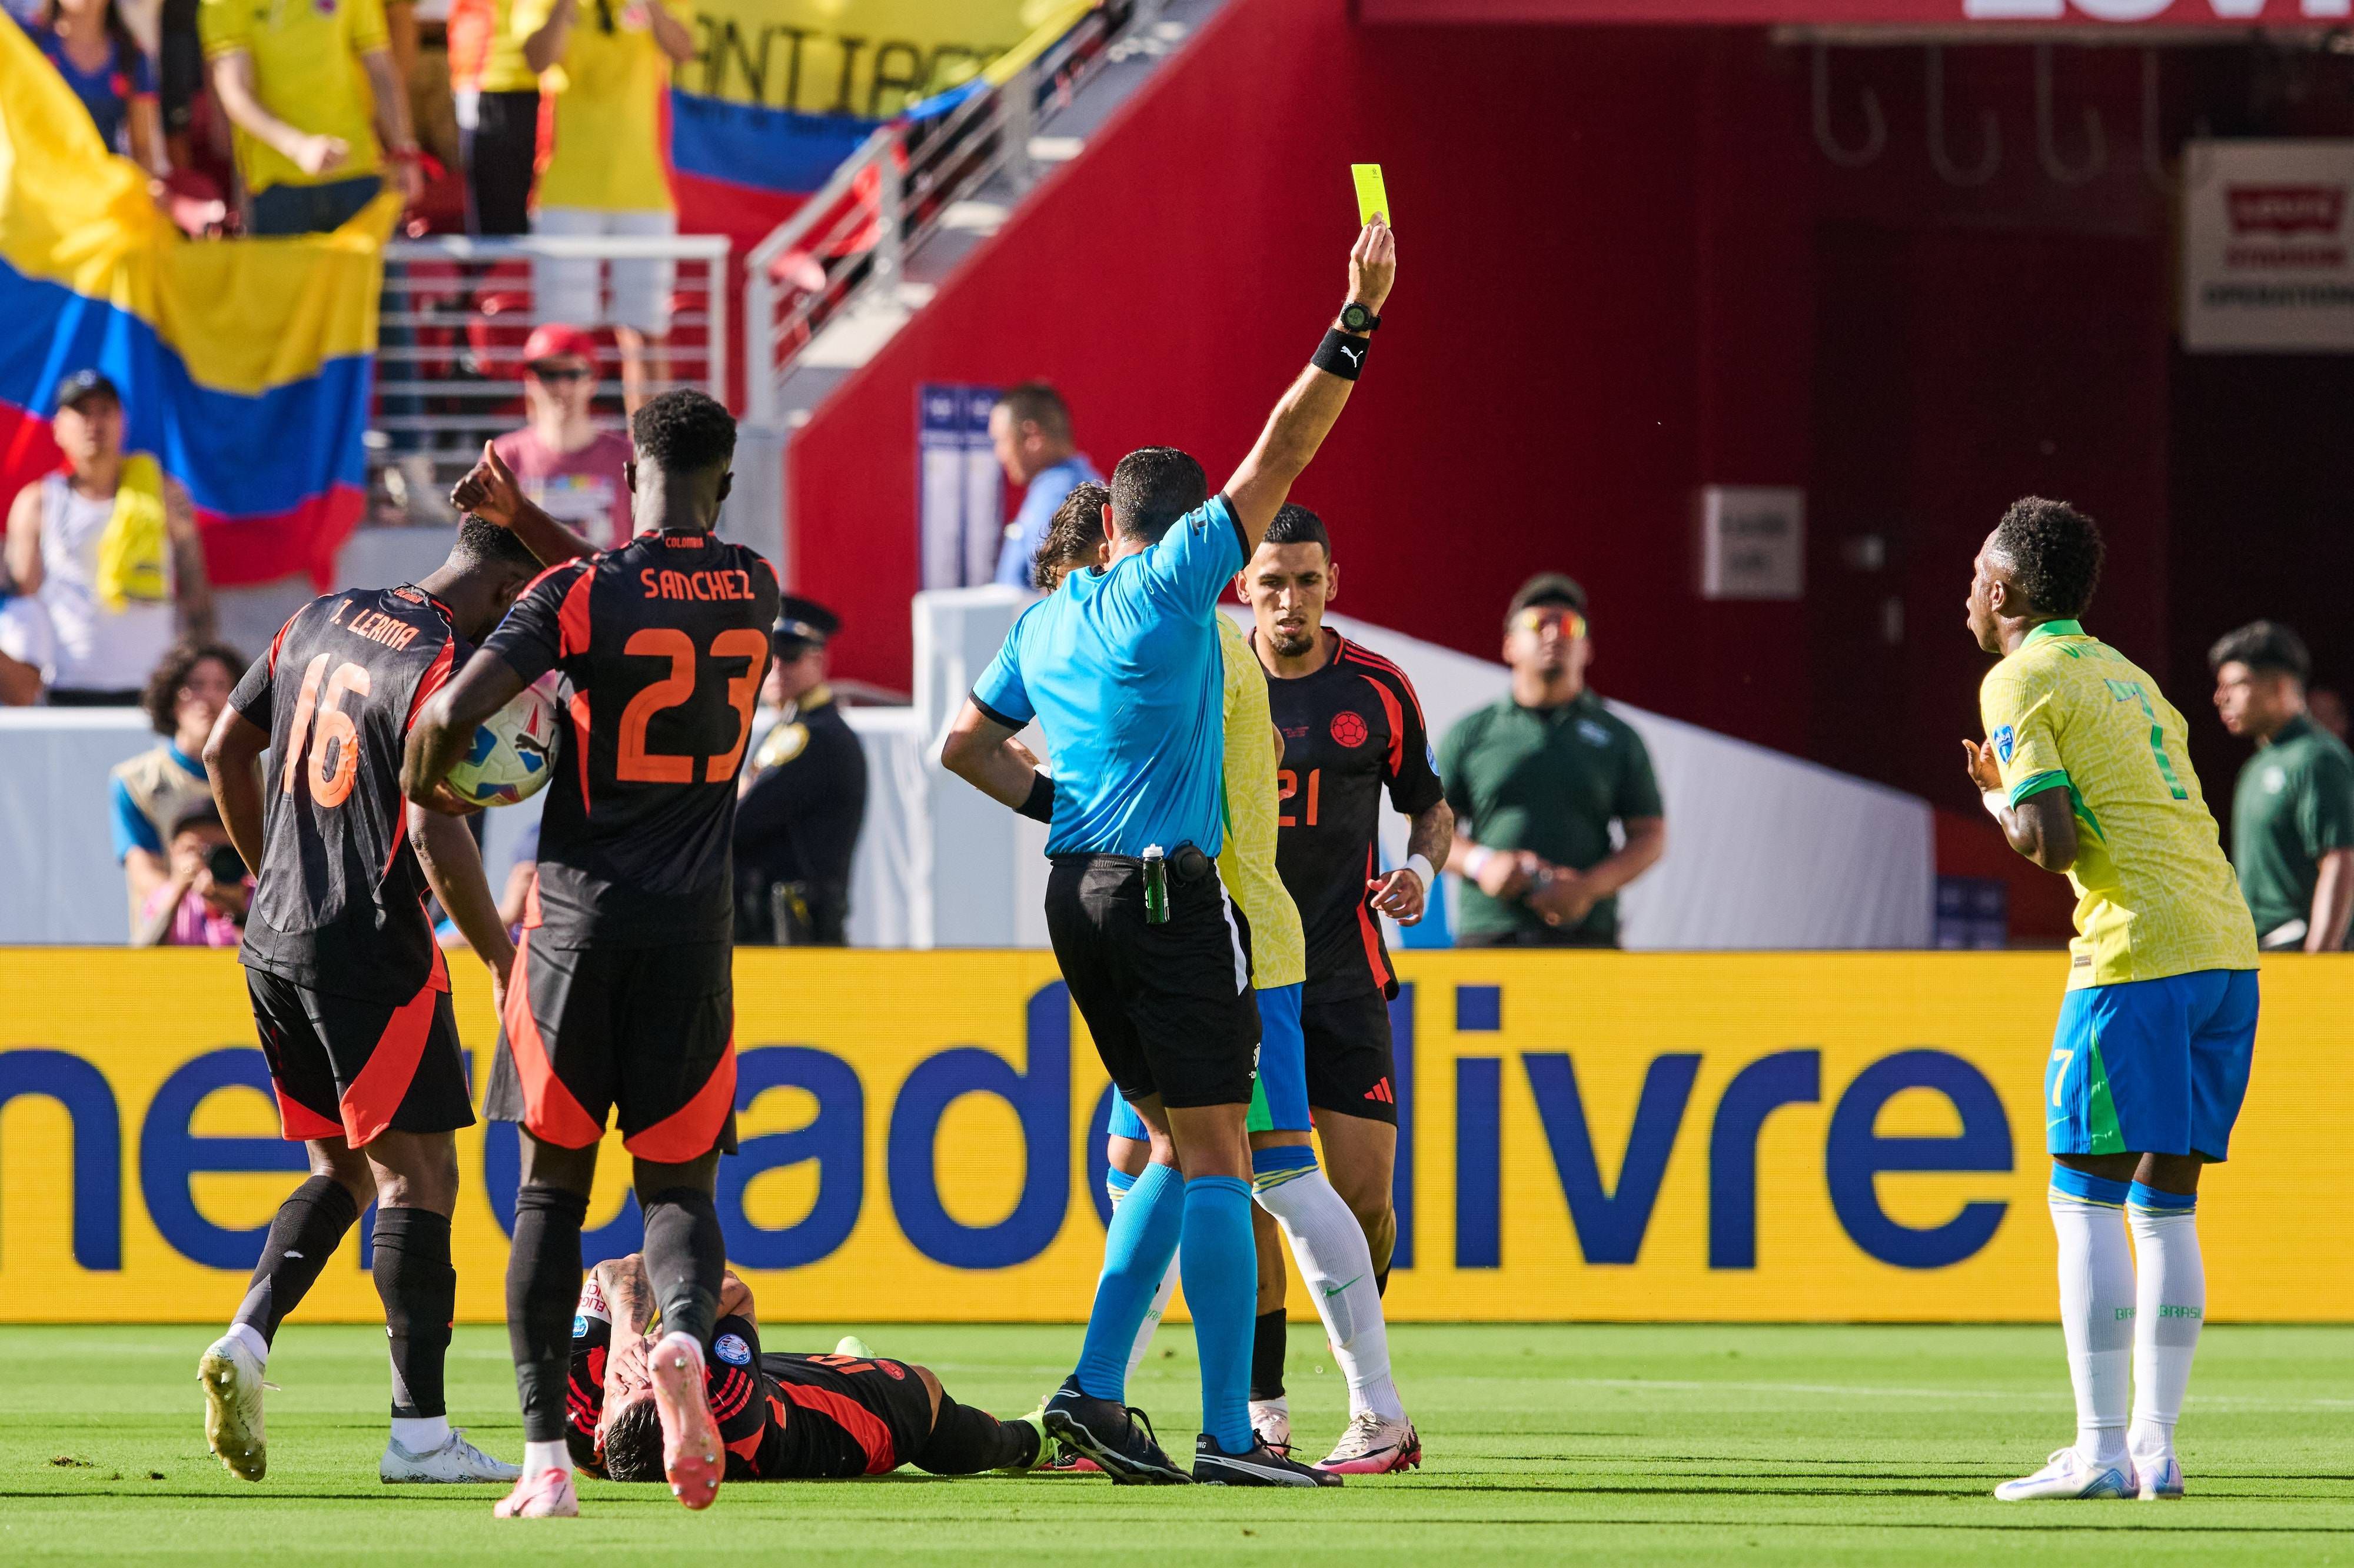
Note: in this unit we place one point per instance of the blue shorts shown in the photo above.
(2151, 1066)
(1279, 1098)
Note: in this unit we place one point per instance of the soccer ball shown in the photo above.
(514, 753)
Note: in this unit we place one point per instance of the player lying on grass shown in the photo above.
(2086, 766)
(781, 1417)
(351, 998)
(1291, 1194)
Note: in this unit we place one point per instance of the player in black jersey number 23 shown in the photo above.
(622, 999)
(350, 995)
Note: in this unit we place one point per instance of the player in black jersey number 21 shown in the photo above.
(1352, 728)
(623, 999)
(350, 994)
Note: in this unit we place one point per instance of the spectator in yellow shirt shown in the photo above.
(496, 95)
(317, 104)
(608, 62)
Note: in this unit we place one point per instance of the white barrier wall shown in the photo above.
(1764, 850)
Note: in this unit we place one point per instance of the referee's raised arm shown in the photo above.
(1309, 409)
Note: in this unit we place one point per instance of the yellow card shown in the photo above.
(1372, 195)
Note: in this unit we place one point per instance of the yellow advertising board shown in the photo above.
(1583, 1137)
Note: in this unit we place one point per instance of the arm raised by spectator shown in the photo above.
(544, 44)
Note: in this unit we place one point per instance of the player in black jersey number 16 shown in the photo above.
(622, 999)
(350, 994)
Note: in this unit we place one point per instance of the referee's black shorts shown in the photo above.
(1171, 1006)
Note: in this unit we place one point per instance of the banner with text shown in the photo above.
(2268, 247)
(1582, 1137)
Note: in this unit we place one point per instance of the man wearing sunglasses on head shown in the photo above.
(566, 465)
(1536, 779)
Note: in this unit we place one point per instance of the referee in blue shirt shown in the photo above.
(1121, 668)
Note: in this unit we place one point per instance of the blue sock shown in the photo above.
(1221, 1279)
(1136, 1250)
(1115, 1184)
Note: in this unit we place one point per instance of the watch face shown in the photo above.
(1356, 316)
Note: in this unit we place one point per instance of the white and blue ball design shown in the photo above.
(513, 752)
(731, 1349)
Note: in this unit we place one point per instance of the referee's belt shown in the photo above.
(1186, 862)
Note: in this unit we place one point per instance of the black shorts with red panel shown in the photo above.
(351, 1068)
(649, 1032)
(1351, 1060)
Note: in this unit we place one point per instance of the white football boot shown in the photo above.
(455, 1461)
(233, 1385)
(2068, 1474)
(2161, 1477)
(1271, 1419)
(548, 1495)
(1372, 1446)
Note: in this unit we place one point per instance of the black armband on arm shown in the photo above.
(1040, 806)
(1341, 354)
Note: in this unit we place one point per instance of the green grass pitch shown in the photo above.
(1543, 1443)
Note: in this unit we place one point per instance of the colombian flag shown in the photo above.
(245, 364)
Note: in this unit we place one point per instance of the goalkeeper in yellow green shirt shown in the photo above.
(2086, 766)
(1323, 1234)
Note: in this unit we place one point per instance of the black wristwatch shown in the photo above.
(1354, 317)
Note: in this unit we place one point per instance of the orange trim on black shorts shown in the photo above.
(691, 1131)
(866, 1428)
(298, 1123)
(550, 1114)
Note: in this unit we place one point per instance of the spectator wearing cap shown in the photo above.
(148, 793)
(803, 796)
(1030, 429)
(1537, 780)
(571, 469)
(318, 108)
(2293, 810)
(608, 64)
(93, 49)
(203, 902)
(108, 551)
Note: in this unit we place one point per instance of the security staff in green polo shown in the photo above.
(2292, 810)
(1537, 779)
(802, 798)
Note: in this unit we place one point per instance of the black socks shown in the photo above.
(965, 1442)
(1269, 1338)
(309, 1226)
(686, 1261)
(421, 1297)
(542, 1287)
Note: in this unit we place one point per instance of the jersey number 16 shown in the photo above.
(334, 758)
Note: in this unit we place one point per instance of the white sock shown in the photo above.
(1330, 1247)
(539, 1457)
(2096, 1316)
(2172, 1308)
(1152, 1318)
(249, 1336)
(420, 1435)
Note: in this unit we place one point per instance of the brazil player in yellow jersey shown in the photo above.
(2087, 769)
(1334, 1257)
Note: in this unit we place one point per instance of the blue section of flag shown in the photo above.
(239, 455)
(767, 149)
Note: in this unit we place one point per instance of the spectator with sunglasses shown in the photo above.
(568, 466)
(1537, 779)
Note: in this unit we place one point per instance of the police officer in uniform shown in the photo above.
(803, 796)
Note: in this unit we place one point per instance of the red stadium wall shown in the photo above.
(1627, 272)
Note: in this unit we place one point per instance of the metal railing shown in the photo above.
(893, 193)
(455, 314)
